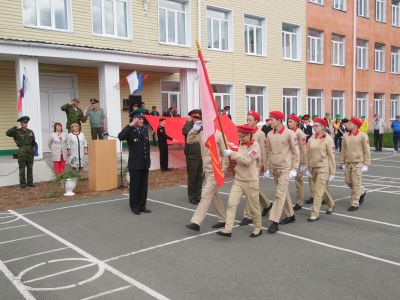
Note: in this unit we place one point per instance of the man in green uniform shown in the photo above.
(74, 113)
(194, 162)
(25, 140)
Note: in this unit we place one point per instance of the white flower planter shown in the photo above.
(69, 186)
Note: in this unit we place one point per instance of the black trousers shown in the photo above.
(378, 140)
(163, 155)
(138, 189)
(195, 179)
(97, 132)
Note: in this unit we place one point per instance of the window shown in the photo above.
(315, 46)
(218, 32)
(338, 58)
(314, 101)
(173, 22)
(290, 41)
(362, 55)
(396, 13)
(111, 18)
(394, 106)
(255, 99)
(361, 104)
(395, 60)
(170, 95)
(379, 57)
(49, 14)
(339, 4)
(380, 10)
(254, 35)
(362, 8)
(379, 104)
(222, 95)
(320, 2)
(290, 99)
(338, 103)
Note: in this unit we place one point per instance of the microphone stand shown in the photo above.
(121, 182)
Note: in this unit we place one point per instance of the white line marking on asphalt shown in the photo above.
(25, 238)
(383, 166)
(11, 227)
(82, 252)
(383, 157)
(36, 254)
(11, 216)
(18, 285)
(107, 292)
(344, 198)
(308, 240)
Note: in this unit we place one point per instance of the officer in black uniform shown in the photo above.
(137, 136)
(163, 138)
(306, 127)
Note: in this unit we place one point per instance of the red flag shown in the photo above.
(209, 116)
(173, 127)
(21, 94)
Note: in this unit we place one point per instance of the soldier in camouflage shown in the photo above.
(25, 140)
(74, 114)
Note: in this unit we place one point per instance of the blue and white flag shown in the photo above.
(135, 82)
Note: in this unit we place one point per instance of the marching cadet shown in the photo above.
(321, 167)
(293, 124)
(246, 181)
(163, 138)
(25, 140)
(259, 136)
(210, 194)
(354, 159)
(194, 164)
(283, 161)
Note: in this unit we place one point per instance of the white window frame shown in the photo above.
(319, 2)
(338, 50)
(315, 45)
(313, 101)
(394, 106)
(363, 8)
(187, 23)
(362, 56)
(263, 35)
(339, 5)
(395, 60)
(230, 28)
(379, 104)
(262, 114)
(128, 20)
(338, 102)
(297, 35)
(380, 11)
(170, 93)
(52, 27)
(361, 110)
(222, 94)
(379, 55)
(294, 107)
(396, 15)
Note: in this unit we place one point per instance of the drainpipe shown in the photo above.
(354, 57)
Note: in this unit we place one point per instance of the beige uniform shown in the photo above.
(261, 139)
(210, 194)
(283, 156)
(355, 154)
(301, 143)
(321, 164)
(246, 183)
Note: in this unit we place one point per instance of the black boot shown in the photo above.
(273, 227)
(288, 220)
(362, 198)
(193, 226)
(297, 207)
(245, 222)
(309, 201)
(218, 225)
(225, 234)
(266, 210)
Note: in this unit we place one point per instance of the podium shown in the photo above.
(102, 165)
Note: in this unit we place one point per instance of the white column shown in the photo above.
(110, 98)
(189, 91)
(31, 102)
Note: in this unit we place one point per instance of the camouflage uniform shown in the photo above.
(73, 116)
(25, 140)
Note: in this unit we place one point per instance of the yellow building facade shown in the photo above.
(255, 53)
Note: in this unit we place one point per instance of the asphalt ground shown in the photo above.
(97, 249)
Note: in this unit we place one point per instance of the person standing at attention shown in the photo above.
(163, 138)
(58, 147)
(97, 119)
(378, 132)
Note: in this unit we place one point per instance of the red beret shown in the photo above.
(356, 122)
(295, 118)
(255, 115)
(277, 115)
(321, 121)
(246, 128)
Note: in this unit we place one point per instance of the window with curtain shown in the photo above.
(49, 14)
(361, 104)
(315, 102)
(290, 41)
(379, 57)
(380, 10)
(338, 50)
(379, 104)
(254, 35)
(362, 8)
(362, 54)
(218, 32)
(315, 46)
(110, 18)
(255, 99)
(339, 4)
(290, 99)
(395, 60)
(396, 13)
(338, 103)
(394, 106)
(222, 95)
(173, 22)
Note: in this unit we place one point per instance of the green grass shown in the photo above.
(387, 141)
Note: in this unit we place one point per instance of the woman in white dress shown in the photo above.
(58, 147)
(77, 148)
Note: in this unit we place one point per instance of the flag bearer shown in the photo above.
(321, 167)
(252, 119)
(354, 159)
(210, 194)
(293, 124)
(283, 162)
(246, 181)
